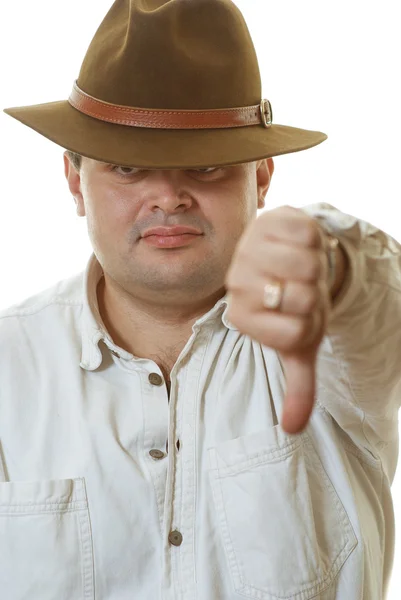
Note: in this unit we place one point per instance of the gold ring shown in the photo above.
(273, 295)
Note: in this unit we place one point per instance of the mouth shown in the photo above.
(173, 230)
(171, 241)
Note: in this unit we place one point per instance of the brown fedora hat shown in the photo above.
(168, 84)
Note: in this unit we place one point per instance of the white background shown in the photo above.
(326, 66)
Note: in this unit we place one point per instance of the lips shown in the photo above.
(168, 231)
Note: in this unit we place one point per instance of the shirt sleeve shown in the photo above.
(359, 361)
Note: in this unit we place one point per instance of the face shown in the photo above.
(121, 203)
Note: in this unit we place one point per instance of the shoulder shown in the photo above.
(37, 314)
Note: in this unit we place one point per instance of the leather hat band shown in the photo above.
(260, 114)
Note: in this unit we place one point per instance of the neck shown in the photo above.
(146, 329)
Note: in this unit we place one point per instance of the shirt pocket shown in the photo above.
(285, 531)
(45, 541)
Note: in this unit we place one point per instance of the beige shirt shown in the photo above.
(92, 506)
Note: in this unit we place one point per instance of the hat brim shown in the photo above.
(161, 148)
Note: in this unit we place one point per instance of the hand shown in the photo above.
(284, 244)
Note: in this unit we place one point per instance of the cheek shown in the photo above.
(231, 212)
(110, 210)
(244, 210)
(233, 224)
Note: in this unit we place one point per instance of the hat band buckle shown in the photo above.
(266, 112)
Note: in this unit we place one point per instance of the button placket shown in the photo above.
(155, 414)
(185, 498)
(173, 505)
(177, 446)
(157, 380)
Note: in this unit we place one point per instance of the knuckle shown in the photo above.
(298, 329)
(309, 299)
(324, 265)
(312, 234)
(302, 330)
(315, 267)
(290, 208)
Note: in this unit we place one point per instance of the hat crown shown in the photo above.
(172, 54)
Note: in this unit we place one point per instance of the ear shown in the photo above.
(74, 183)
(264, 173)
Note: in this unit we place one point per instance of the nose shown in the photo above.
(167, 191)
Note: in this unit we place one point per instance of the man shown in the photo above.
(210, 410)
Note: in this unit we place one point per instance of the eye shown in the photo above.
(126, 170)
(206, 170)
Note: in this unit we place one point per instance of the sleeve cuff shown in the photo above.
(353, 282)
(346, 229)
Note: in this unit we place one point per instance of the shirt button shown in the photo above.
(155, 379)
(175, 538)
(157, 454)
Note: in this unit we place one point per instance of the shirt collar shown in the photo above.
(94, 330)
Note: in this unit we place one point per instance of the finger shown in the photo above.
(299, 299)
(300, 372)
(291, 225)
(285, 333)
(303, 299)
(283, 261)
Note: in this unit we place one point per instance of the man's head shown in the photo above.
(122, 203)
